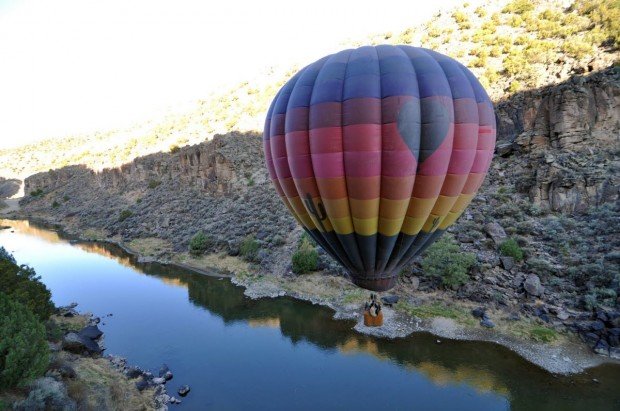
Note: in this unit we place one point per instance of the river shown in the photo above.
(282, 354)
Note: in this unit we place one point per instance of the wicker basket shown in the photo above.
(370, 321)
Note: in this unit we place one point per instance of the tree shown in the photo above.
(24, 353)
(21, 284)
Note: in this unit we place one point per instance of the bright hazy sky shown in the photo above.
(70, 66)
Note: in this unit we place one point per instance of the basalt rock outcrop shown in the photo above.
(563, 142)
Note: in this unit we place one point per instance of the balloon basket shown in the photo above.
(370, 321)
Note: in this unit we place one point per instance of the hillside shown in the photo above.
(510, 46)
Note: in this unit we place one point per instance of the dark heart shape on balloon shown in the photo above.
(423, 126)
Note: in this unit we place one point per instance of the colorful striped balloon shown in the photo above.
(377, 151)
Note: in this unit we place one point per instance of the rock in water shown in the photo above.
(184, 390)
(532, 285)
(159, 380)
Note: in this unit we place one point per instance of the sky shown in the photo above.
(76, 66)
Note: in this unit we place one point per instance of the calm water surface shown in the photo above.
(281, 354)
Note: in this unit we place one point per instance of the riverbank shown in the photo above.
(445, 317)
(78, 376)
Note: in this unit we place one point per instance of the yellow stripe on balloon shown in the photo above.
(462, 202)
(342, 225)
(412, 225)
(443, 205)
(393, 209)
(420, 207)
(432, 223)
(390, 226)
(365, 226)
(363, 209)
(450, 219)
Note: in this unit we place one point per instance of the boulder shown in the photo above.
(79, 344)
(133, 372)
(496, 232)
(486, 322)
(532, 285)
(142, 385)
(479, 312)
(159, 380)
(92, 331)
(601, 348)
(507, 262)
(390, 300)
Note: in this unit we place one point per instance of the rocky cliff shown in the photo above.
(562, 142)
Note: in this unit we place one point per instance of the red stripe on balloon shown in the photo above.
(362, 164)
(326, 140)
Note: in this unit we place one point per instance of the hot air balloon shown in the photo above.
(376, 151)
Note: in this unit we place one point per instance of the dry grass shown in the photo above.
(149, 246)
(99, 386)
(207, 262)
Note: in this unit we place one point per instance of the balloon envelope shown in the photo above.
(376, 151)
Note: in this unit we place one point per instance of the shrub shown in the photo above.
(518, 7)
(445, 260)
(36, 193)
(199, 243)
(249, 248)
(174, 149)
(55, 204)
(510, 248)
(22, 285)
(154, 183)
(305, 259)
(124, 215)
(24, 353)
(65, 198)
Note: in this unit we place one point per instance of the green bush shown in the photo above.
(22, 285)
(174, 149)
(510, 248)
(24, 354)
(154, 183)
(445, 260)
(305, 259)
(55, 204)
(36, 193)
(124, 215)
(199, 243)
(249, 248)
